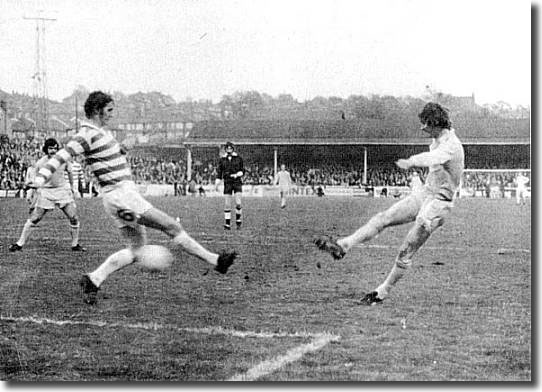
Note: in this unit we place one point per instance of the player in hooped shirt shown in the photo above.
(130, 211)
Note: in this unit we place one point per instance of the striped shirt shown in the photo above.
(102, 154)
(446, 161)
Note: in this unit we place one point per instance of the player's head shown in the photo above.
(282, 166)
(100, 106)
(434, 118)
(229, 148)
(50, 147)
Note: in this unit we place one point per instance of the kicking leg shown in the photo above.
(403, 211)
(159, 220)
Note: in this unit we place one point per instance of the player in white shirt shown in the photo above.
(427, 209)
(521, 190)
(56, 192)
(284, 181)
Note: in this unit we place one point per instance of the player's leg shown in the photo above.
(403, 211)
(238, 208)
(156, 219)
(135, 236)
(228, 191)
(70, 210)
(429, 219)
(282, 198)
(31, 223)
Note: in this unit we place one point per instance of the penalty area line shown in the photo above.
(152, 326)
(269, 366)
(319, 340)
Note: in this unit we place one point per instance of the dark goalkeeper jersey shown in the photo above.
(230, 165)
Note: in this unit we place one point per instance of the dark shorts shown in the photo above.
(232, 187)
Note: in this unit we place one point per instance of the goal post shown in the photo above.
(492, 183)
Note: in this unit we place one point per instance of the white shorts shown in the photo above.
(49, 198)
(422, 207)
(125, 204)
(433, 212)
(284, 189)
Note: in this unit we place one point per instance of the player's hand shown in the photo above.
(403, 163)
(234, 175)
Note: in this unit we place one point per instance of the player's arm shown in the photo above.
(77, 145)
(69, 170)
(438, 156)
(30, 173)
(240, 170)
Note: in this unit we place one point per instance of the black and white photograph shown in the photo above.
(272, 192)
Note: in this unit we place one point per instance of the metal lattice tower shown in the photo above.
(39, 78)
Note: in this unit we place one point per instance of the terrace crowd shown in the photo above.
(17, 155)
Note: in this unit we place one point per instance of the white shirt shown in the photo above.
(446, 161)
(283, 178)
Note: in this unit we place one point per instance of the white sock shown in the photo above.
(194, 248)
(75, 234)
(27, 229)
(113, 263)
(396, 273)
(361, 235)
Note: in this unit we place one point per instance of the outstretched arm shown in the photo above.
(74, 147)
(438, 156)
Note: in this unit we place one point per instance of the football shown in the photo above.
(154, 258)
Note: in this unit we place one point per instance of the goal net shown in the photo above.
(492, 183)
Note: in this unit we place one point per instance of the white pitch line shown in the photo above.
(260, 370)
(152, 326)
(267, 367)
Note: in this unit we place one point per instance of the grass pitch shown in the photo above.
(463, 311)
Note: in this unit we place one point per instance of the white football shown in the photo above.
(154, 257)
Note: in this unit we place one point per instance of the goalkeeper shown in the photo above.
(427, 208)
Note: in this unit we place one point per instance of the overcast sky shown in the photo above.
(207, 48)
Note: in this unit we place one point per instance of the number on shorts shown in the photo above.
(126, 215)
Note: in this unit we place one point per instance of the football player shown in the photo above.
(427, 208)
(231, 171)
(56, 192)
(284, 182)
(121, 199)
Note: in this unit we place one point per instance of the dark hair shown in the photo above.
(95, 102)
(229, 144)
(51, 142)
(435, 115)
